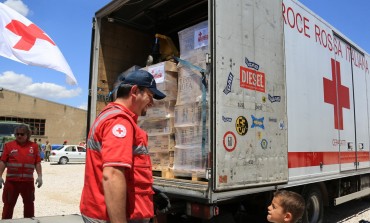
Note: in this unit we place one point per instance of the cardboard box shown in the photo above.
(157, 126)
(190, 135)
(161, 143)
(165, 75)
(188, 158)
(189, 114)
(194, 40)
(161, 160)
(161, 109)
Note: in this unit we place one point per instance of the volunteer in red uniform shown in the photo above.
(118, 172)
(21, 157)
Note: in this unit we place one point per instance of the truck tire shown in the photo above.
(314, 205)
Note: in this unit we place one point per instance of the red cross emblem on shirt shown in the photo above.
(29, 35)
(336, 94)
(119, 130)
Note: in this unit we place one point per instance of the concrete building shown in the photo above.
(49, 120)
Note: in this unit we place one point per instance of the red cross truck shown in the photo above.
(286, 104)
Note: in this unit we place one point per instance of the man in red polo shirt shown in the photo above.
(118, 173)
(21, 157)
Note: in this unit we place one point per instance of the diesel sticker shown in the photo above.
(251, 79)
(241, 125)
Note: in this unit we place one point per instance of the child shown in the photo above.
(286, 207)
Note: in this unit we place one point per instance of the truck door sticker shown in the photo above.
(229, 141)
(336, 94)
(273, 99)
(264, 143)
(241, 125)
(222, 179)
(251, 64)
(229, 83)
(257, 122)
(281, 125)
(227, 119)
(251, 79)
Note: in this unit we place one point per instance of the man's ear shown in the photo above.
(135, 90)
(288, 217)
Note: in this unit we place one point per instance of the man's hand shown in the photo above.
(161, 202)
(1, 182)
(39, 181)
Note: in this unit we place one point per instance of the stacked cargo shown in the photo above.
(159, 120)
(190, 156)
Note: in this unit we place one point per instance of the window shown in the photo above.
(81, 149)
(37, 125)
(69, 149)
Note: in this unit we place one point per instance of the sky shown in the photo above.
(350, 18)
(69, 22)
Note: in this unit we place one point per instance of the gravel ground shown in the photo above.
(60, 195)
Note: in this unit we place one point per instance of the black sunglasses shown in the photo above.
(19, 134)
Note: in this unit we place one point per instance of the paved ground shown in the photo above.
(61, 192)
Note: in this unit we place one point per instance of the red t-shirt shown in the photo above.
(113, 138)
(26, 154)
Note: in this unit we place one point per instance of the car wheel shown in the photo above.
(63, 160)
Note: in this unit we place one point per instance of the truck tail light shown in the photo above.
(202, 211)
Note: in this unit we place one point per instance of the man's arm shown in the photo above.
(115, 189)
(39, 175)
(2, 168)
(38, 169)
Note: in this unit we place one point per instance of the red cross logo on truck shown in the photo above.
(29, 35)
(336, 94)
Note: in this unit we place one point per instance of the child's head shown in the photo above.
(286, 206)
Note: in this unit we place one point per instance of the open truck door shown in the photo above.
(248, 80)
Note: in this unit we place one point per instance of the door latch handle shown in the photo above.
(350, 145)
(361, 146)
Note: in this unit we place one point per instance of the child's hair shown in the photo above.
(291, 202)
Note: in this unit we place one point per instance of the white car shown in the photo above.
(68, 154)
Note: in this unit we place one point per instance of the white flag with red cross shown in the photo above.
(23, 41)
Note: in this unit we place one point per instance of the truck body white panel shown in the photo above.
(326, 97)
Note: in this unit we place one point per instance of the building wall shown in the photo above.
(62, 122)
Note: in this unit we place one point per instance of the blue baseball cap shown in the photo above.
(143, 78)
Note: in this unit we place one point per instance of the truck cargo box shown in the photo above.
(269, 96)
(244, 60)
